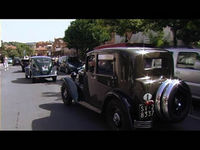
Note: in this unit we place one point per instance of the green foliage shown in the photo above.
(19, 52)
(158, 39)
(190, 33)
(85, 34)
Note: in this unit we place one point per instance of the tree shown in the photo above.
(122, 26)
(85, 34)
(175, 25)
(190, 33)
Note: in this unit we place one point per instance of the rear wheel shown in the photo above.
(116, 116)
(66, 97)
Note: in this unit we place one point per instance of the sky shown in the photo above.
(32, 30)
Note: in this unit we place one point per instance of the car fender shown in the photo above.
(72, 88)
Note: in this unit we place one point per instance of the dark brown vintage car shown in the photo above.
(127, 85)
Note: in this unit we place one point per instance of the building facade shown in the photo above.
(43, 48)
(60, 48)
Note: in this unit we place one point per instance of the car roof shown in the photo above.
(183, 49)
(41, 57)
(130, 49)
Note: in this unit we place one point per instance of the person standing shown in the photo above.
(6, 63)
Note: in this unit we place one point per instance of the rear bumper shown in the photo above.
(143, 124)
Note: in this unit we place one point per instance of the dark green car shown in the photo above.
(40, 67)
(131, 86)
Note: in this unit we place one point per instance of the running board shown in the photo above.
(85, 104)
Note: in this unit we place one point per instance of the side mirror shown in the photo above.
(73, 75)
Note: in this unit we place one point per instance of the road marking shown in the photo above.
(194, 117)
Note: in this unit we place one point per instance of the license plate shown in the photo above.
(44, 68)
(145, 111)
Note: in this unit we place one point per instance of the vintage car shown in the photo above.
(16, 61)
(187, 68)
(131, 86)
(69, 64)
(40, 67)
(24, 63)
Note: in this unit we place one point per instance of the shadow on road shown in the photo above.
(74, 117)
(22, 81)
(18, 71)
(52, 94)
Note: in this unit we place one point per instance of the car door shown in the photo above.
(89, 78)
(104, 78)
(188, 69)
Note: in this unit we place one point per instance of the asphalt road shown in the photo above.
(38, 106)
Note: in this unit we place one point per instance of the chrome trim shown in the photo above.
(166, 95)
(158, 96)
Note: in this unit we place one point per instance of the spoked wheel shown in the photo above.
(116, 116)
(66, 97)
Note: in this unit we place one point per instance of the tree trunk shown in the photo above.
(174, 31)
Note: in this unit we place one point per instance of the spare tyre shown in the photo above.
(175, 100)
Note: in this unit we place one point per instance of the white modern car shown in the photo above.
(187, 67)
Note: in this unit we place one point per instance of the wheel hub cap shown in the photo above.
(116, 119)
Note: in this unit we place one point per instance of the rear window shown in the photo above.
(153, 63)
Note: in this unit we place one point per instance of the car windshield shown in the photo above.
(43, 61)
(74, 61)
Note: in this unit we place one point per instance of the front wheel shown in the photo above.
(66, 97)
(116, 117)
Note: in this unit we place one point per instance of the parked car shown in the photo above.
(40, 67)
(10, 60)
(24, 63)
(127, 85)
(16, 61)
(70, 64)
(187, 68)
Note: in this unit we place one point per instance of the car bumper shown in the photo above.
(43, 76)
(142, 124)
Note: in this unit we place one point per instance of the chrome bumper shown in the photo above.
(43, 76)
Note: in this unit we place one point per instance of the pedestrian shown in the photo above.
(6, 63)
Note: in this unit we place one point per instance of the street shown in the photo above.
(38, 106)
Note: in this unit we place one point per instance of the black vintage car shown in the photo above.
(131, 86)
(16, 61)
(70, 64)
(40, 67)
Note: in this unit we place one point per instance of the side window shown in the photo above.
(91, 63)
(105, 64)
(189, 60)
